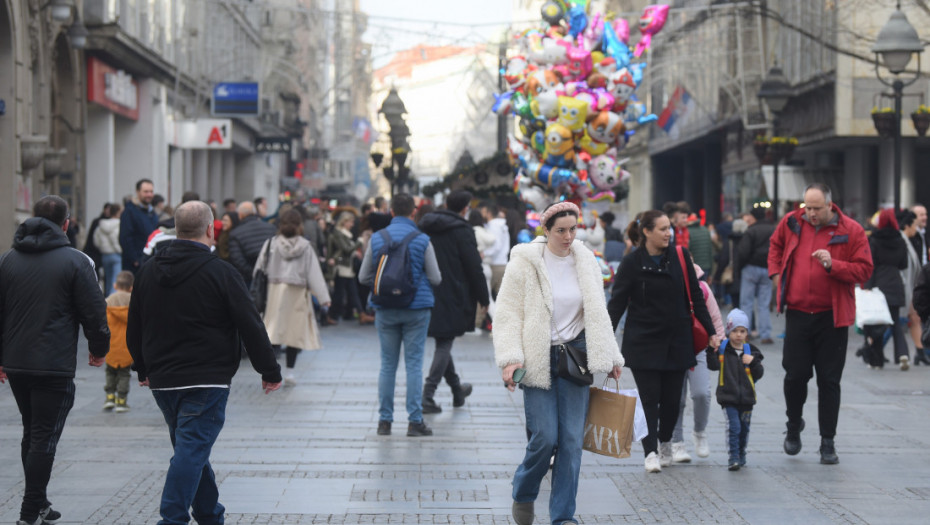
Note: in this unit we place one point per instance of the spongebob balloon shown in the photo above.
(572, 114)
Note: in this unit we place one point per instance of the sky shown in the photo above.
(395, 25)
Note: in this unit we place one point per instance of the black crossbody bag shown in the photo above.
(573, 365)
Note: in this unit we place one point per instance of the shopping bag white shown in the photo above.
(639, 416)
(871, 308)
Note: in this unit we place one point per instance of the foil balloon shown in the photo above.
(621, 85)
(579, 63)
(604, 172)
(502, 103)
(550, 176)
(542, 80)
(593, 34)
(613, 47)
(560, 145)
(515, 73)
(546, 104)
(577, 17)
(521, 106)
(572, 114)
(606, 128)
(622, 29)
(529, 193)
(652, 21)
(553, 11)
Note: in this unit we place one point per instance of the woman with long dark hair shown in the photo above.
(293, 274)
(889, 257)
(657, 342)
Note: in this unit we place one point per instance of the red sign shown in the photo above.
(112, 88)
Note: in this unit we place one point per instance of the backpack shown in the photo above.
(393, 285)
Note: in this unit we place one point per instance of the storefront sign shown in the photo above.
(112, 88)
(273, 145)
(235, 99)
(206, 133)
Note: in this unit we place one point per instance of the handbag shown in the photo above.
(699, 337)
(872, 308)
(611, 420)
(573, 365)
(259, 288)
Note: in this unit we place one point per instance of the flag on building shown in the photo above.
(362, 129)
(679, 107)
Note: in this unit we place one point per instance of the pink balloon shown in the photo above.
(652, 21)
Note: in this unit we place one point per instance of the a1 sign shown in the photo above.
(210, 133)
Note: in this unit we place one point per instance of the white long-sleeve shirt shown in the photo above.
(497, 254)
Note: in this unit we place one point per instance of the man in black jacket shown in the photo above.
(47, 288)
(137, 222)
(457, 297)
(188, 316)
(247, 239)
(755, 285)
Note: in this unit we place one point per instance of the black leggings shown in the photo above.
(660, 393)
(877, 336)
(290, 356)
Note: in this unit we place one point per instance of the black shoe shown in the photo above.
(418, 429)
(523, 513)
(734, 466)
(920, 358)
(384, 428)
(430, 406)
(793, 439)
(828, 452)
(50, 515)
(459, 394)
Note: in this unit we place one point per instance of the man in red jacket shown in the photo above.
(818, 254)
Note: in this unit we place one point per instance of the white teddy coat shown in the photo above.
(522, 324)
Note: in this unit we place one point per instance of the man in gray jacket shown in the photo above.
(755, 285)
(47, 289)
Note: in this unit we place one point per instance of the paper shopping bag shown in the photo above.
(608, 429)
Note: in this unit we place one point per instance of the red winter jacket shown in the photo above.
(849, 250)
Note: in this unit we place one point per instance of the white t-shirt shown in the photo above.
(568, 305)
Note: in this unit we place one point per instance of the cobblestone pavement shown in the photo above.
(310, 454)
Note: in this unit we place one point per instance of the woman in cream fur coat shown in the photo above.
(552, 293)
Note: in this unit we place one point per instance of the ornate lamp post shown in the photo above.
(775, 92)
(896, 44)
(393, 110)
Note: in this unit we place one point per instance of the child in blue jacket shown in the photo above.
(740, 366)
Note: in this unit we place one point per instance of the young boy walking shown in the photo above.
(740, 366)
(118, 359)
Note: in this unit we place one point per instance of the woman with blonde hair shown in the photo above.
(552, 296)
(293, 274)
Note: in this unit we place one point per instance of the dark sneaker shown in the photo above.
(384, 428)
(523, 513)
(430, 406)
(418, 429)
(38, 521)
(734, 466)
(50, 515)
(793, 438)
(828, 452)
(459, 394)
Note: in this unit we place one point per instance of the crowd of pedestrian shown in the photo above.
(245, 283)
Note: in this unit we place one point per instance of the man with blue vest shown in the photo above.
(408, 324)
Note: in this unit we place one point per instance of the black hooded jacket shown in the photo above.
(463, 285)
(47, 288)
(189, 314)
(889, 257)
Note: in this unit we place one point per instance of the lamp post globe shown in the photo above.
(775, 92)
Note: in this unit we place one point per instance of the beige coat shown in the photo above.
(524, 314)
(293, 273)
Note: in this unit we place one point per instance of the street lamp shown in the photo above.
(775, 92)
(393, 109)
(77, 33)
(896, 43)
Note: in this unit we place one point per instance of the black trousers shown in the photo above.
(44, 403)
(813, 344)
(876, 333)
(660, 393)
(442, 366)
(345, 289)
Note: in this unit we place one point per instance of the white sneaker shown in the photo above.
(905, 362)
(289, 379)
(700, 444)
(665, 454)
(652, 463)
(679, 454)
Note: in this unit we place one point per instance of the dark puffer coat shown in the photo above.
(245, 243)
(889, 255)
(463, 285)
(47, 289)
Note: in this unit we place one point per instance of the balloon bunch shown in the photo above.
(572, 92)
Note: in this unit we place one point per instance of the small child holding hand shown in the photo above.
(118, 358)
(740, 366)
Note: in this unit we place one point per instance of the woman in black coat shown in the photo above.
(456, 298)
(889, 255)
(657, 342)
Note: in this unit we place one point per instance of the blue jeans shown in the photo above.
(195, 417)
(755, 285)
(396, 326)
(737, 433)
(112, 265)
(555, 421)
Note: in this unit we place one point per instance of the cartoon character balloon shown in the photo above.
(652, 21)
(572, 114)
(560, 145)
